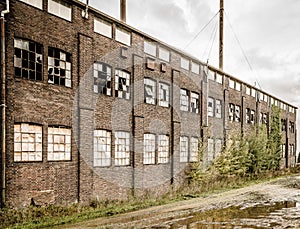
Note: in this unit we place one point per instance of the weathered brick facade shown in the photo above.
(82, 110)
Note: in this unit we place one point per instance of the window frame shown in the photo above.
(163, 149)
(105, 25)
(184, 99)
(163, 102)
(122, 155)
(218, 108)
(121, 76)
(184, 144)
(102, 157)
(148, 99)
(149, 150)
(97, 73)
(210, 109)
(56, 11)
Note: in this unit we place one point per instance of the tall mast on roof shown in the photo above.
(221, 34)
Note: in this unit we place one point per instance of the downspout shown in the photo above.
(3, 104)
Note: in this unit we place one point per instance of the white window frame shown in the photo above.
(238, 86)
(184, 149)
(185, 63)
(231, 83)
(210, 75)
(195, 68)
(163, 94)
(150, 48)
(28, 140)
(218, 108)
(219, 78)
(194, 143)
(248, 90)
(253, 92)
(184, 99)
(35, 3)
(103, 27)
(123, 36)
(57, 7)
(122, 148)
(210, 109)
(194, 105)
(163, 54)
(163, 149)
(149, 149)
(59, 144)
(102, 148)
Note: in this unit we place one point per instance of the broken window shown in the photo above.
(184, 100)
(149, 91)
(59, 144)
(122, 83)
(194, 149)
(149, 149)
(163, 149)
(102, 148)
(123, 36)
(59, 67)
(231, 112)
(150, 48)
(103, 27)
(163, 54)
(210, 107)
(184, 146)
(195, 102)
(102, 78)
(195, 68)
(265, 119)
(122, 147)
(252, 117)
(60, 9)
(28, 140)
(210, 150)
(185, 63)
(28, 59)
(237, 113)
(163, 95)
(35, 3)
(218, 110)
(248, 115)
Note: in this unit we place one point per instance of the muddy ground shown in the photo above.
(273, 204)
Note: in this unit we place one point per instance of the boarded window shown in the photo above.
(35, 3)
(149, 91)
(163, 95)
(28, 140)
(122, 147)
(184, 146)
(185, 63)
(102, 78)
(195, 68)
(59, 67)
(60, 9)
(102, 148)
(218, 110)
(194, 149)
(150, 48)
(195, 102)
(122, 84)
(149, 149)
(184, 100)
(210, 107)
(163, 149)
(59, 144)
(28, 59)
(123, 36)
(102, 27)
(163, 54)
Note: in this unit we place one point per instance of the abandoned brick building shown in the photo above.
(93, 108)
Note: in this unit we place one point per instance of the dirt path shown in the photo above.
(183, 214)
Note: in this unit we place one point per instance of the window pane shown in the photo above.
(35, 3)
(123, 36)
(60, 9)
(103, 27)
(149, 149)
(150, 48)
(122, 84)
(59, 146)
(122, 148)
(163, 54)
(185, 63)
(195, 68)
(102, 78)
(102, 148)
(163, 95)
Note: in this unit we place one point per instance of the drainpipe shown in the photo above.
(3, 102)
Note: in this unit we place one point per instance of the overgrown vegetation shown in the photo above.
(246, 159)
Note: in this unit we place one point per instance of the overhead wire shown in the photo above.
(214, 33)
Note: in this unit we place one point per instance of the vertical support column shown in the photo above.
(123, 10)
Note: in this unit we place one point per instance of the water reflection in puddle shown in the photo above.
(260, 216)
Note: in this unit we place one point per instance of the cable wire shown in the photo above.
(213, 40)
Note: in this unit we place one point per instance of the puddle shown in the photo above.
(260, 216)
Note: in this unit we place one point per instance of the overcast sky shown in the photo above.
(268, 32)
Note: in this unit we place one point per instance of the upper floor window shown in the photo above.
(163, 95)
(163, 54)
(185, 63)
(149, 149)
(210, 107)
(195, 68)
(150, 48)
(283, 124)
(292, 127)
(28, 59)
(59, 143)
(248, 90)
(219, 78)
(163, 149)
(231, 83)
(123, 36)
(102, 148)
(122, 84)
(102, 78)
(231, 112)
(238, 86)
(265, 98)
(194, 149)
(184, 100)
(184, 147)
(59, 67)
(195, 102)
(237, 113)
(28, 140)
(218, 110)
(250, 116)
(102, 27)
(122, 148)
(35, 3)
(210, 74)
(149, 91)
(60, 9)
(253, 92)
